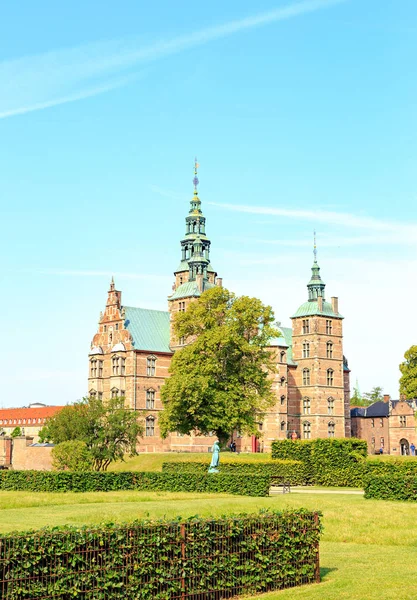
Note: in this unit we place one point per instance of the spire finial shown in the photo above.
(315, 247)
(195, 180)
(112, 283)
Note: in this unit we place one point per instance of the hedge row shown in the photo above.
(331, 462)
(198, 558)
(68, 481)
(391, 486)
(293, 472)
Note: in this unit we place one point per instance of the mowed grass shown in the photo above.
(153, 461)
(368, 549)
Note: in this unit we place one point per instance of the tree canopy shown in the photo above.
(408, 379)
(107, 428)
(220, 381)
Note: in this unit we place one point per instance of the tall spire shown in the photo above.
(315, 286)
(195, 180)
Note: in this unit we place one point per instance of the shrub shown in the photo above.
(391, 486)
(331, 462)
(293, 472)
(71, 456)
(70, 481)
(196, 558)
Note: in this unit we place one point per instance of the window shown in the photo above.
(181, 306)
(373, 442)
(100, 395)
(282, 425)
(372, 422)
(330, 406)
(306, 430)
(282, 356)
(93, 367)
(329, 347)
(382, 442)
(114, 393)
(306, 406)
(381, 422)
(122, 362)
(150, 426)
(181, 341)
(306, 350)
(100, 368)
(306, 326)
(328, 327)
(329, 376)
(122, 393)
(306, 376)
(282, 400)
(150, 366)
(117, 326)
(150, 398)
(283, 382)
(115, 365)
(105, 328)
(403, 421)
(93, 393)
(330, 429)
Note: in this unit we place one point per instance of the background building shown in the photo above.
(131, 352)
(30, 419)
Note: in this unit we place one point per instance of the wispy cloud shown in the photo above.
(323, 216)
(36, 82)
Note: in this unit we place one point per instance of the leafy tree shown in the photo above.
(16, 432)
(107, 428)
(408, 379)
(220, 382)
(356, 399)
(72, 456)
(374, 395)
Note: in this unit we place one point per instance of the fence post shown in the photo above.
(317, 566)
(182, 530)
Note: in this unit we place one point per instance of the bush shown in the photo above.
(71, 456)
(70, 481)
(196, 558)
(391, 486)
(293, 472)
(331, 462)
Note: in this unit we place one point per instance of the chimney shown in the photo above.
(335, 304)
(219, 281)
(199, 281)
(387, 398)
(320, 303)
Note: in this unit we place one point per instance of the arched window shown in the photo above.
(151, 366)
(330, 406)
(306, 406)
(150, 426)
(306, 349)
(306, 430)
(115, 365)
(330, 429)
(282, 356)
(329, 347)
(114, 392)
(282, 425)
(306, 376)
(282, 380)
(93, 393)
(329, 376)
(150, 398)
(282, 400)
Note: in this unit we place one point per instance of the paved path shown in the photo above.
(278, 490)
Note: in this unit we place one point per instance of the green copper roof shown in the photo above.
(189, 289)
(149, 328)
(284, 341)
(312, 308)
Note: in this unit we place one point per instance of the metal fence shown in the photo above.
(191, 560)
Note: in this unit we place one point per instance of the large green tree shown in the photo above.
(408, 379)
(220, 382)
(374, 395)
(107, 428)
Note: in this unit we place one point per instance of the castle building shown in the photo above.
(131, 352)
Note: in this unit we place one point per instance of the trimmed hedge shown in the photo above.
(70, 481)
(196, 558)
(293, 472)
(391, 486)
(399, 466)
(330, 462)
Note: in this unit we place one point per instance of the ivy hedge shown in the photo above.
(196, 558)
(391, 486)
(293, 472)
(71, 481)
(331, 462)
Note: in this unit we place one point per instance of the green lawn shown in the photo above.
(153, 461)
(368, 549)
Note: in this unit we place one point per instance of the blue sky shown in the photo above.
(303, 115)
